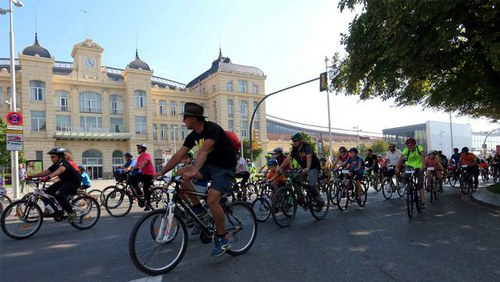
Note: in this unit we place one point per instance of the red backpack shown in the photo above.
(233, 138)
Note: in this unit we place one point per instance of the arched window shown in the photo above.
(117, 159)
(90, 102)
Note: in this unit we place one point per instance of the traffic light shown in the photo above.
(255, 139)
(323, 82)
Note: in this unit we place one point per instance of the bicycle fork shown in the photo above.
(166, 224)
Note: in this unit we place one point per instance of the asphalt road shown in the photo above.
(455, 239)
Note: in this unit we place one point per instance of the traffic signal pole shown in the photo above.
(262, 100)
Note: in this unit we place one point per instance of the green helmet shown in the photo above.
(297, 136)
(268, 156)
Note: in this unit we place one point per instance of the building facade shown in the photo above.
(100, 112)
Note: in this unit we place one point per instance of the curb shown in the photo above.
(486, 197)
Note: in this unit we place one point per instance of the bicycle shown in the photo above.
(4, 202)
(159, 239)
(293, 194)
(369, 180)
(23, 218)
(389, 186)
(263, 202)
(431, 184)
(466, 181)
(346, 192)
(412, 197)
(118, 201)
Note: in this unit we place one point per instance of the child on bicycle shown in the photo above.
(434, 164)
(356, 170)
(273, 176)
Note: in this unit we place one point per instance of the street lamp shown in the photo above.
(329, 120)
(13, 105)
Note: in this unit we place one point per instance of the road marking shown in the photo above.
(149, 279)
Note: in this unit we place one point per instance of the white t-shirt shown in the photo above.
(241, 165)
(393, 158)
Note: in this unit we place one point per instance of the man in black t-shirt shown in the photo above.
(215, 161)
(309, 162)
(372, 164)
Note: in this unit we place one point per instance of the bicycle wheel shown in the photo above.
(252, 191)
(118, 203)
(387, 189)
(155, 198)
(409, 201)
(157, 242)
(342, 195)
(401, 189)
(351, 192)
(96, 194)
(320, 212)
(333, 190)
(241, 226)
(362, 199)
(284, 207)
(416, 200)
(4, 202)
(262, 208)
(378, 186)
(464, 185)
(105, 192)
(87, 212)
(21, 219)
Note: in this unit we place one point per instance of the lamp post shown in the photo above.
(13, 106)
(329, 120)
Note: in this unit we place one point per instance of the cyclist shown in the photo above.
(391, 160)
(144, 170)
(280, 157)
(86, 183)
(495, 164)
(274, 176)
(326, 168)
(215, 161)
(415, 158)
(469, 159)
(343, 156)
(356, 170)
(372, 164)
(455, 157)
(69, 179)
(432, 161)
(120, 174)
(263, 168)
(309, 162)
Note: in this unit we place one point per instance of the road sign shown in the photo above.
(14, 142)
(14, 118)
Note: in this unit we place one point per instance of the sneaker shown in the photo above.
(141, 203)
(422, 206)
(221, 245)
(147, 208)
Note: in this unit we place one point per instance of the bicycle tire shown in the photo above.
(333, 190)
(13, 219)
(417, 200)
(401, 189)
(409, 202)
(118, 203)
(139, 238)
(351, 192)
(96, 193)
(251, 190)
(342, 197)
(241, 227)
(387, 189)
(320, 213)
(87, 210)
(284, 207)
(377, 187)
(363, 197)
(261, 206)
(5, 201)
(106, 191)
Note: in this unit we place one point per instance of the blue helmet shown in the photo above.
(271, 162)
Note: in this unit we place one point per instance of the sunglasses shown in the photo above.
(186, 116)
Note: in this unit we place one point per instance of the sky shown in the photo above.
(287, 39)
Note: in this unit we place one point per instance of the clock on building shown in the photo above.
(90, 62)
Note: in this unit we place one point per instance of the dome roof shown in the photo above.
(36, 49)
(138, 64)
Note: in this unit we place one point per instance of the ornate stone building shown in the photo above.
(100, 112)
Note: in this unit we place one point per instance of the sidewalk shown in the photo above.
(486, 197)
(96, 184)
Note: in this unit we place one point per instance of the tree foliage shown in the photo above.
(4, 154)
(379, 147)
(439, 54)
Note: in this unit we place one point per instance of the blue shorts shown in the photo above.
(221, 177)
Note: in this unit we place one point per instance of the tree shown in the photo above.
(379, 147)
(4, 154)
(439, 54)
(246, 150)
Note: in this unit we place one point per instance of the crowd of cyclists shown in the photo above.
(214, 165)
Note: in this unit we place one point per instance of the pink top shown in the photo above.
(149, 168)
